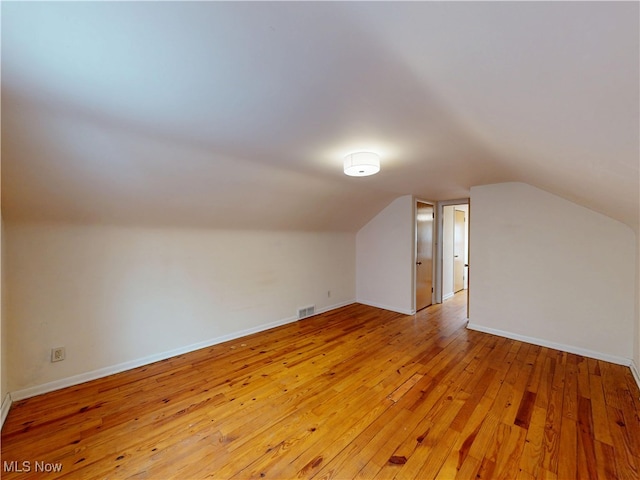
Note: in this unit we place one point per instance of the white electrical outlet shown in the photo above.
(57, 354)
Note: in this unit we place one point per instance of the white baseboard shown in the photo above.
(334, 307)
(636, 372)
(556, 346)
(448, 296)
(387, 307)
(6, 406)
(121, 367)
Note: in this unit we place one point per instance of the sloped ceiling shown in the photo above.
(238, 115)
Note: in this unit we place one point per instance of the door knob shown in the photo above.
(418, 263)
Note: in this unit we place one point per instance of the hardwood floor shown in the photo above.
(355, 393)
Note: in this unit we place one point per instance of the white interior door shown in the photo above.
(424, 254)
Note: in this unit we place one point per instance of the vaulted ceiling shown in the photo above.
(238, 115)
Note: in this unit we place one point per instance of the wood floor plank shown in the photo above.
(631, 412)
(466, 439)
(611, 382)
(525, 410)
(335, 437)
(439, 453)
(553, 421)
(583, 378)
(546, 379)
(424, 441)
(506, 450)
(626, 457)
(533, 453)
(570, 402)
(586, 441)
(462, 418)
(567, 467)
(469, 469)
(357, 392)
(599, 411)
(605, 460)
(359, 452)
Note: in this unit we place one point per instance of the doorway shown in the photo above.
(455, 253)
(425, 219)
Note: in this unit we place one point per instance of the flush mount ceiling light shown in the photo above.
(361, 164)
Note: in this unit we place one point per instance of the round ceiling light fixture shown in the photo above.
(361, 164)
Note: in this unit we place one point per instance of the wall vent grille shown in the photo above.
(305, 312)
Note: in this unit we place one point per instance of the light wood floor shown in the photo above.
(355, 393)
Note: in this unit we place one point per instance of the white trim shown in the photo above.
(635, 372)
(6, 406)
(334, 307)
(121, 367)
(386, 307)
(556, 346)
(448, 296)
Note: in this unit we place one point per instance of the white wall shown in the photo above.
(551, 272)
(118, 297)
(4, 386)
(385, 249)
(636, 358)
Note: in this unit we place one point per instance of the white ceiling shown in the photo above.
(238, 115)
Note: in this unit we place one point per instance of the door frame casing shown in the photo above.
(438, 256)
(434, 250)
